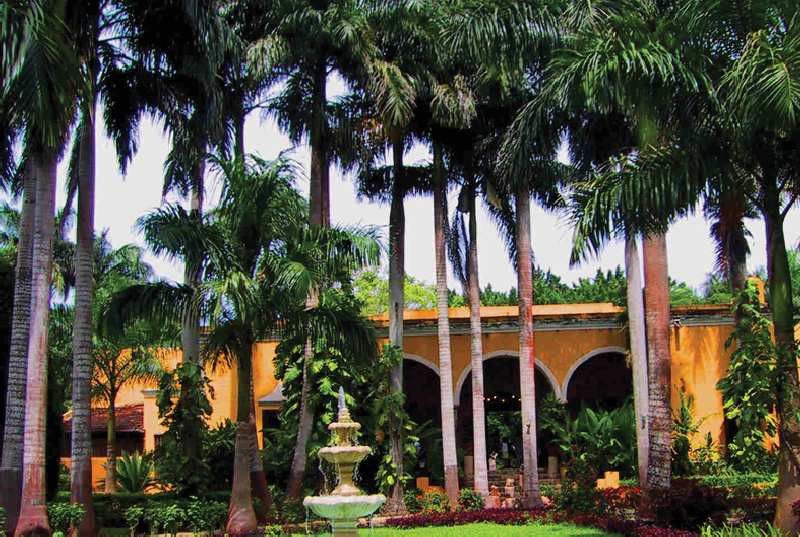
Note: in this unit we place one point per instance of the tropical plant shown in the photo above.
(749, 385)
(134, 472)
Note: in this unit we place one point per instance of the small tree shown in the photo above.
(750, 384)
(118, 362)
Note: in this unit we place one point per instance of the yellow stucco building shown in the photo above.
(580, 350)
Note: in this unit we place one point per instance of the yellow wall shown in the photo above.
(699, 360)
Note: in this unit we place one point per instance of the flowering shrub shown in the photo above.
(470, 500)
(654, 531)
(619, 499)
(435, 502)
(497, 516)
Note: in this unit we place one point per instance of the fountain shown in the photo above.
(346, 503)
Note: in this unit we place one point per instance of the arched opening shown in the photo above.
(502, 407)
(602, 381)
(423, 404)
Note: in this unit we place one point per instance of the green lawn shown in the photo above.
(489, 530)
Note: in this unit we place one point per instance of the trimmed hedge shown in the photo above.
(110, 509)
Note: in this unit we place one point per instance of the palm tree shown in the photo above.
(766, 123)
(117, 362)
(118, 359)
(306, 42)
(261, 259)
(38, 94)
(443, 326)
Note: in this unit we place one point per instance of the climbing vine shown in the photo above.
(750, 385)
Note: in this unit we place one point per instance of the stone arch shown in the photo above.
(540, 366)
(420, 360)
(585, 358)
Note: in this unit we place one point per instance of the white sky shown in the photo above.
(121, 200)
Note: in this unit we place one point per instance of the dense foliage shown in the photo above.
(749, 387)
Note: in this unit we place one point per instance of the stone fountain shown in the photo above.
(346, 503)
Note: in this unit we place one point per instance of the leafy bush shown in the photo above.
(183, 407)
(604, 440)
(204, 515)
(194, 515)
(742, 485)
(750, 385)
(745, 530)
(470, 500)
(65, 516)
(411, 498)
(169, 518)
(451, 518)
(689, 505)
(218, 447)
(3, 522)
(274, 531)
(435, 502)
(134, 517)
(134, 472)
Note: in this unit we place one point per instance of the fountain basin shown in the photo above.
(344, 511)
(344, 454)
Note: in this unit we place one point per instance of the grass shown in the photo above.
(489, 530)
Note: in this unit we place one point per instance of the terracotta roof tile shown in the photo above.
(130, 419)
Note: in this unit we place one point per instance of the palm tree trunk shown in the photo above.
(657, 316)
(319, 192)
(397, 234)
(304, 426)
(531, 497)
(636, 330)
(319, 206)
(33, 511)
(443, 330)
(81, 471)
(788, 392)
(258, 478)
(238, 132)
(481, 472)
(241, 516)
(190, 329)
(111, 447)
(11, 470)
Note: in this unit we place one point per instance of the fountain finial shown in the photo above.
(344, 414)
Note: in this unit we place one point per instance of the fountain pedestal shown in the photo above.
(346, 503)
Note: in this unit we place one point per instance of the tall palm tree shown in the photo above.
(591, 75)
(261, 259)
(38, 93)
(766, 122)
(443, 326)
(306, 42)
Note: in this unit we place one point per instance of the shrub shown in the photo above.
(689, 505)
(274, 531)
(470, 500)
(745, 530)
(134, 517)
(620, 499)
(412, 501)
(452, 518)
(204, 515)
(3, 522)
(435, 502)
(742, 485)
(167, 518)
(65, 516)
(134, 472)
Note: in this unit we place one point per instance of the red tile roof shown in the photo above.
(130, 419)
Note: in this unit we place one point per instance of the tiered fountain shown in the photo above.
(346, 503)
